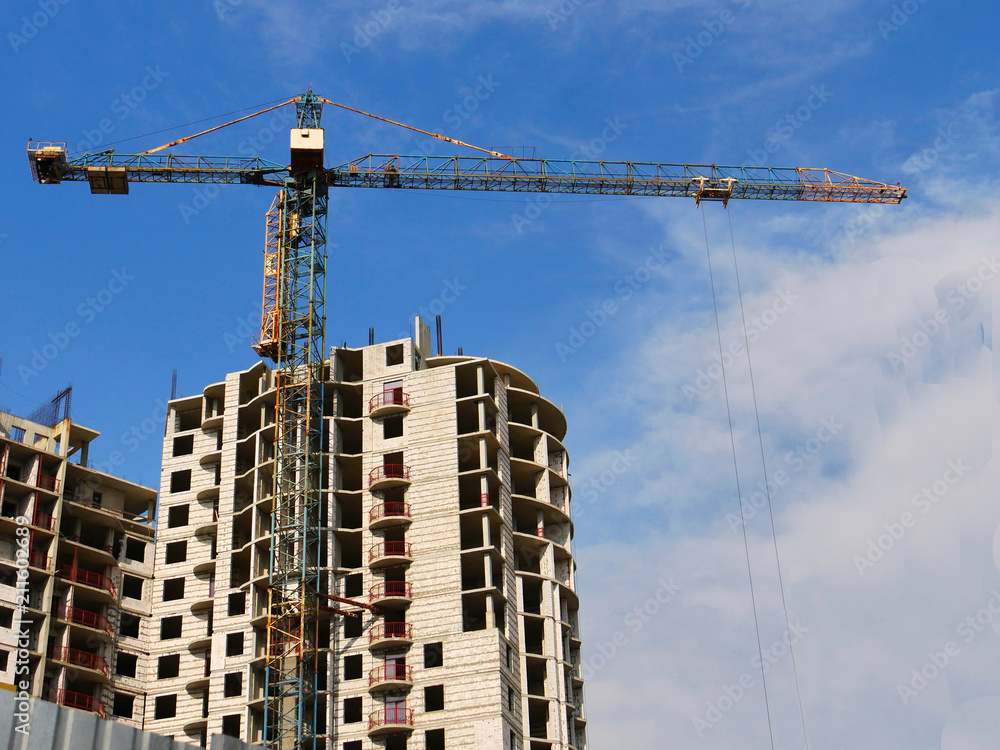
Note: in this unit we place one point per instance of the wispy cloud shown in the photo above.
(891, 339)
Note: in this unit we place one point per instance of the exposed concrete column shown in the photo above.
(484, 455)
(484, 490)
(540, 523)
(534, 416)
(491, 620)
(482, 416)
(487, 540)
(481, 380)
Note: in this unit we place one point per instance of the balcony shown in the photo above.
(391, 593)
(382, 554)
(389, 401)
(43, 520)
(396, 717)
(38, 560)
(76, 700)
(46, 482)
(87, 578)
(388, 475)
(390, 677)
(388, 514)
(79, 658)
(389, 634)
(84, 617)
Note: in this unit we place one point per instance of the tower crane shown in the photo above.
(293, 319)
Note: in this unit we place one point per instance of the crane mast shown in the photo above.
(296, 542)
(293, 319)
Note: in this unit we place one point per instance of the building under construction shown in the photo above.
(76, 562)
(445, 513)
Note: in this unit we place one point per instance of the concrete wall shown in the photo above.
(53, 727)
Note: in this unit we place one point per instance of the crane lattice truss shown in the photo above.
(292, 328)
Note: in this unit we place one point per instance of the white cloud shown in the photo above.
(917, 401)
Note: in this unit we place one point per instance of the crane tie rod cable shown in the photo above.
(218, 127)
(410, 127)
(335, 104)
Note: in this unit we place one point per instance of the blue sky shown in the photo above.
(872, 346)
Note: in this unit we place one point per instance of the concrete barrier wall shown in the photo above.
(52, 727)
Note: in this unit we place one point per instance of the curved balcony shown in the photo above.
(388, 475)
(204, 567)
(390, 634)
(388, 514)
(392, 718)
(390, 677)
(87, 578)
(79, 658)
(382, 554)
(76, 700)
(85, 618)
(194, 728)
(392, 401)
(394, 594)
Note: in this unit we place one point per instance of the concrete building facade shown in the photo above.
(76, 560)
(446, 506)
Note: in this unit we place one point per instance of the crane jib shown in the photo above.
(110, 173)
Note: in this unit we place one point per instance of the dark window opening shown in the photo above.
(354, 586)
(353, 667)
(177, 516)
(166, 707)
(237, 604)
(232, 685)
(123, 705)
(394, 355)
(135, 550)
(434, 698)
(353, 627)
(234, 644)
(392, 427)
(176, 552)
(180, 481)
(168, 666)
(231, 725)
(173, 589)
(433, 655)
(128, 625)
(132, 587)
(434, 739)
(125, 664)
(184, 446)
(352, 710)
(170, 627)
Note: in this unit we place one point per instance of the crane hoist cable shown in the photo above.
(763, 459)
(767, 486)
(739, 491)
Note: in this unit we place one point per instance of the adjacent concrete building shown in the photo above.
(76, 559)
(447, 506)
